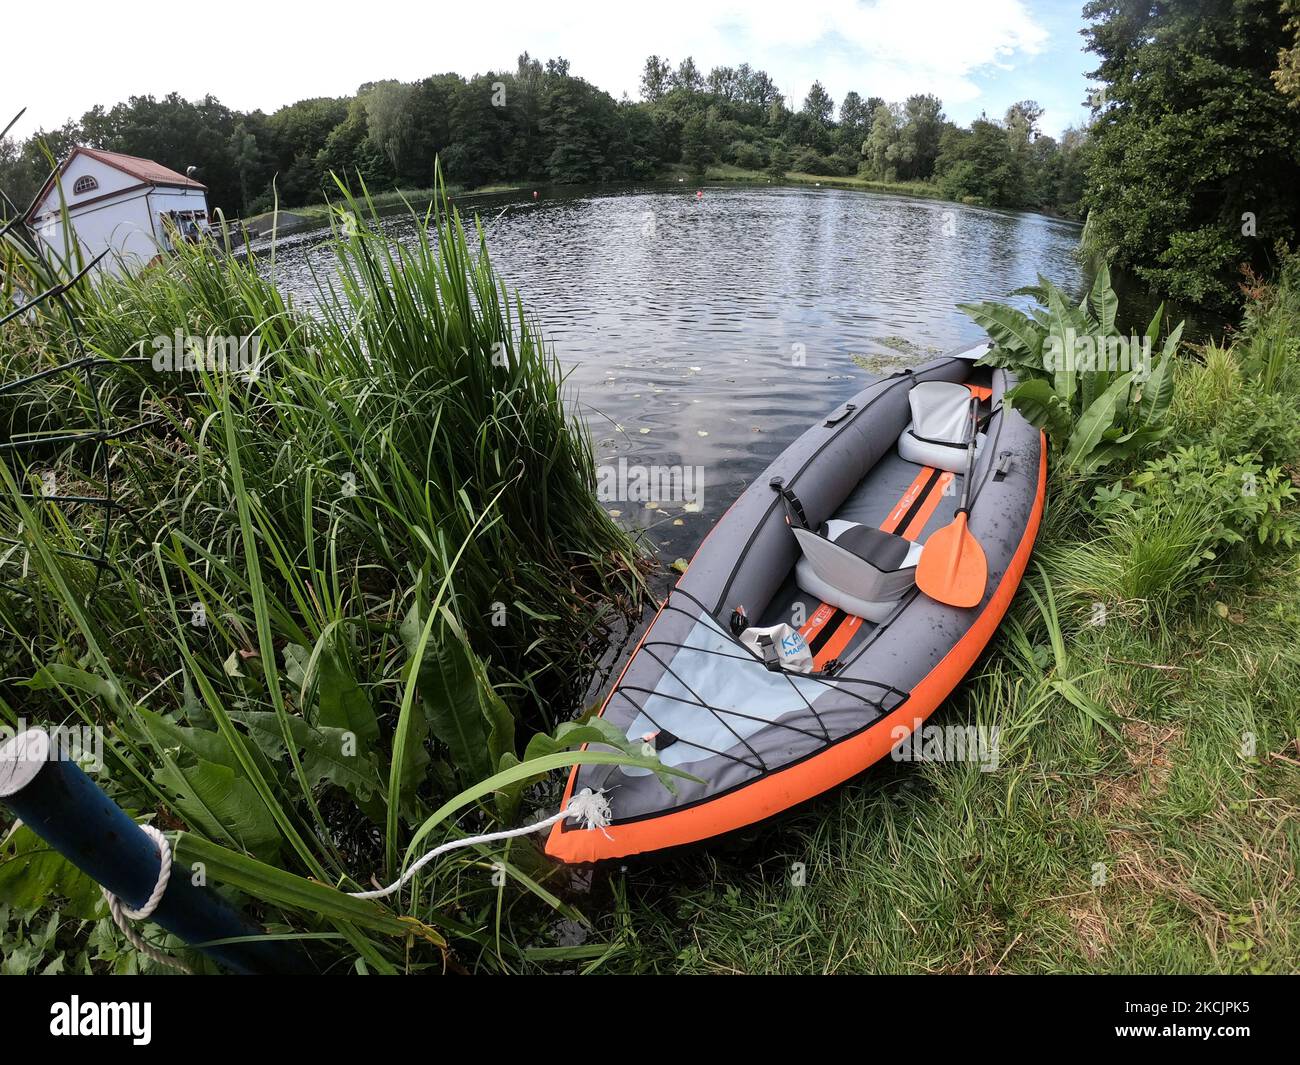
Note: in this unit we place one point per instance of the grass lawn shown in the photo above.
(725, 172)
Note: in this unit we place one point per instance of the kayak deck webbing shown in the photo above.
(710, 671)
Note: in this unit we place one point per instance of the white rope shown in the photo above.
(123, 914)
(590, 806)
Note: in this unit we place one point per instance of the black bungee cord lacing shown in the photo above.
(879, 703)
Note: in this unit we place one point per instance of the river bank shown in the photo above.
(295, 219)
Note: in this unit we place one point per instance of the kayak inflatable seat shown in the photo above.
(827, 542)
(937, 434)
(858, 568)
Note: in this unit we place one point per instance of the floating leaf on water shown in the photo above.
(680, 565)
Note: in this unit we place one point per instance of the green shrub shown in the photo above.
(1247, 499)
(1092, 411)
(746, 156)
(808, 161)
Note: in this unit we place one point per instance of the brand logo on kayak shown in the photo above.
(75, 1017)
(1088, 354)
(624, 482)
(946, 743)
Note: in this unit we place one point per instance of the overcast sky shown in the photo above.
(976, 55)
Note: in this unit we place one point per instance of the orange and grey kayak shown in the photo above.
(825, 542)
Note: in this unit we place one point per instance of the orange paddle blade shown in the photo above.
(953, 568)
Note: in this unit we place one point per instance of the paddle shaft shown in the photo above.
(964, 506)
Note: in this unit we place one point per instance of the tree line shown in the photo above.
(540, 122)
(1187, 170)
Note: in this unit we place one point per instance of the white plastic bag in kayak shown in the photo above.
(791, 648)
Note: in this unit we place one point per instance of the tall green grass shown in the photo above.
(339, 581)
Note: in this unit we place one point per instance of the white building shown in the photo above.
(120, 202)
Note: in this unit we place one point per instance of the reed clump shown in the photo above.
(351, 552)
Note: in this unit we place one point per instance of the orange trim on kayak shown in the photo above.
(890, 524)
(817, 622)
(781, 789)
(831, 648)
(931, 503)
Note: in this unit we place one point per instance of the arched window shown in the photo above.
(84, 184)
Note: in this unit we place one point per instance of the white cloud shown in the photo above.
(275, 53)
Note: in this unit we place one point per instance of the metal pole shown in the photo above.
(62, 805)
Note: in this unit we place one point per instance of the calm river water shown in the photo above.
(710, 330)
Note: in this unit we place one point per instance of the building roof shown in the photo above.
(146, 171)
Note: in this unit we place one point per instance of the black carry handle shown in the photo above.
(793, 508)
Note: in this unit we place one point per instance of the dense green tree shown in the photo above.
(697, 150)
(656, 79)
(918, 137)
(390, 122)
(350, 154)
(481, 120)
(779, 160)
(818, 104)
(756, 86)
(724, 83)
(579, 120)
(855, 122)
(978, 166)
(1287, 75)
(687, 77)
(1194, 167)
(880, 150)
(243, 150)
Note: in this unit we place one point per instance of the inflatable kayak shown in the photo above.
(797, 649)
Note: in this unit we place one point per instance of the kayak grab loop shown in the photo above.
(589, 807)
